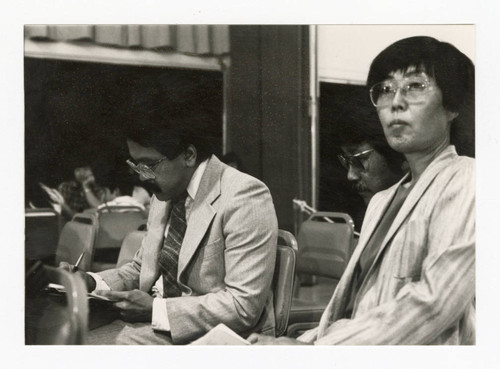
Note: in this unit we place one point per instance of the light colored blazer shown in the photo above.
(421, 287)
(226, 262)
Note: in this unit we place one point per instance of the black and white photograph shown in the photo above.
(267, 184)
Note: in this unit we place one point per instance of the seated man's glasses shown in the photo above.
(355, 161)
(414, 89)
(147, 171)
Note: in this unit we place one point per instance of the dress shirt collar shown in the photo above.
(194, 183)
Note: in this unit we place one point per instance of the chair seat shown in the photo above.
(304, 315)
(305, 311)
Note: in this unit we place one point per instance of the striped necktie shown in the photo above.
(169, 255)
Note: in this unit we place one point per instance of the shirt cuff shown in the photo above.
(160, 321)
(99, 282)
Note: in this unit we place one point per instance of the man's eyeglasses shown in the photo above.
(414, 90)
(356, 160)
(147, 171)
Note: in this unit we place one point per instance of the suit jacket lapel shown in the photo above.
(152, 243)
(415, 194)
(342, 292)
(202, 212)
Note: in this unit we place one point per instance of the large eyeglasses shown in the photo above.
(147, 171)
(414, 89)
(356, 160)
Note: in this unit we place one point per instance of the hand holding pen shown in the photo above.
(89, 281)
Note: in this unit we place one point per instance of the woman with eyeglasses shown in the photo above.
(411, 279)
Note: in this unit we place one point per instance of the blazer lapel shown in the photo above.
(415, 194)
(336, 307)
(379, 209)
(202, 212)
(153, 242)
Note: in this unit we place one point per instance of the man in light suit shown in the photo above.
(411, 279)
(209, 253)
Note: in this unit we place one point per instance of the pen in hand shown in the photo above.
(75, 267)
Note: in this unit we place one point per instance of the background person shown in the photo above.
(233, 160)
(411, 280)
(371, 164)
(121, 191)
(77, 195)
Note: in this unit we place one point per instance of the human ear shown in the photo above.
(451, 115)
(190, 155)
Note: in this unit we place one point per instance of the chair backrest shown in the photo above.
(77, 235)
(283, 280)
(105, 208)
(325, 243)
(41, 233)
(131, 243)
(113, 226)
(288, 239)
(65, 324)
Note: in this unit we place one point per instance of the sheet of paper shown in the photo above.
(221, 335)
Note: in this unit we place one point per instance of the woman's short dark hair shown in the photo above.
(452, 70)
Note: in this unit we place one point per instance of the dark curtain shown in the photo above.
(72, 114)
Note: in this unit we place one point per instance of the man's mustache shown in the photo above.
(359, 187)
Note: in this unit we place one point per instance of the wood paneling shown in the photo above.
(268, 126)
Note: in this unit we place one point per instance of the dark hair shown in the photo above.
(231, 157)
(358, 123)
(169, 134)
(451, 69)
(171, 113)
(116, 174)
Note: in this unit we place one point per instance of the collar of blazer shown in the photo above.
(379, 204)
(202, 211)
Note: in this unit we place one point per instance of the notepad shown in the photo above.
(59, 289)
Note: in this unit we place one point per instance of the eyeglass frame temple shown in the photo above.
(140, 171)
(348, 159)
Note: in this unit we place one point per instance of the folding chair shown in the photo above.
(42, 228)
(77, 235)
(63, 321)
(325, 244)
(283, 280)
(130, 245)
(113, 224)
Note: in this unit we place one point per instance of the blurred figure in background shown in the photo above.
(371, 164)
(77, 195)
(121, 191)
(234, 161)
